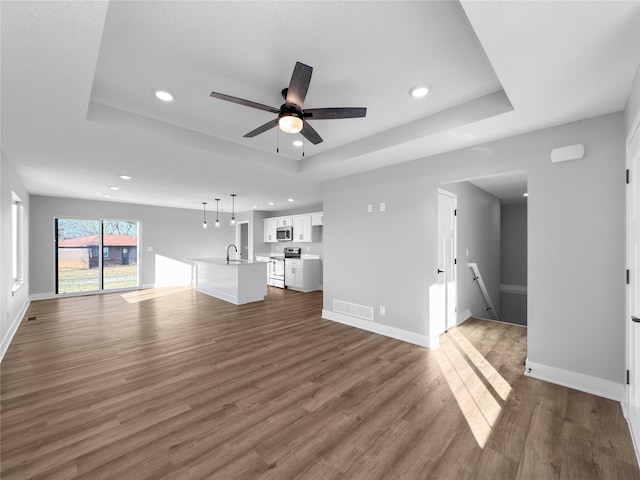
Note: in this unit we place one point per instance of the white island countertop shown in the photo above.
(223, 261)
(235, 281)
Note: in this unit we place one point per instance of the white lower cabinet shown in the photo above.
(293, 275)
(302, 274)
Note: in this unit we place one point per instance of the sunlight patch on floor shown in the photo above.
(462, 366)
(137, 296)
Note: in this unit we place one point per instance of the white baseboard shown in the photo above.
(386, 330)
(6, 341)
(463, 317)
(575, 380)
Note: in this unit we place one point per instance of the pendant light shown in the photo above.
(233, 209)
(204, 214)
(217, 224)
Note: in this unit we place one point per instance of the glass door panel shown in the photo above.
(119, 254)
(77, 259)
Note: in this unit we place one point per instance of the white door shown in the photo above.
(446, 258)
(633, 246)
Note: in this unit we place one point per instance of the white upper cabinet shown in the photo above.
(305, 227)
(316, 219)
(284, 221)
(270, 225)
(302, 231)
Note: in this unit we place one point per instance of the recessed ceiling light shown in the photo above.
(163, 95)
(125, 177)
(525, 194)
(289, 199)
(106, 195)
(272, 203)
(113, 187)
(419, 91)
(254, 206)
(297, 143)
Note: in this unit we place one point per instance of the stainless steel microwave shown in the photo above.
(284, 234)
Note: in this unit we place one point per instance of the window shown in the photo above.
(79, 266)
(17, 242)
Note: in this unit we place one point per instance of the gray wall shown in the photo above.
(478, 241)
(576, 227)
(513, 262)
(12, 306)
(174, 234)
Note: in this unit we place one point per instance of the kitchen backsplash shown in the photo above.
(314, 248)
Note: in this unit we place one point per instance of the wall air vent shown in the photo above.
(353, 310)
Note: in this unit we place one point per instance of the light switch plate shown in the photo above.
(369, 208)
(383, 206)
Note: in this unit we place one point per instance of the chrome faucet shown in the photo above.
(228, 247)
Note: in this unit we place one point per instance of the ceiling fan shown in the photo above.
(291, 117)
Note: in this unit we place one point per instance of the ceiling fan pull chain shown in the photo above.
(303, 147)
(278, 140)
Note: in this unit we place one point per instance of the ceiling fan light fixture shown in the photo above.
(419, 91)
(290, 122)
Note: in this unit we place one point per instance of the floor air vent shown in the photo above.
(353, 309)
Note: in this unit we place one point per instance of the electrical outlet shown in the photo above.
(369, 208)
(308, 249)
(149, 249)
(383, 310)
(383, 206)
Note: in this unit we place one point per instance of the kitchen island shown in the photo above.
(235, 281)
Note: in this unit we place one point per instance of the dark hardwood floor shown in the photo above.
(173, 384)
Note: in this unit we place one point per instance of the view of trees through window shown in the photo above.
(94, 255)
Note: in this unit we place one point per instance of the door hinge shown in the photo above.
(455, 212)
(627, 377)
(627, 276)
(455, 261)
(627, 175)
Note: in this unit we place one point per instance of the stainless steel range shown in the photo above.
(277, 266)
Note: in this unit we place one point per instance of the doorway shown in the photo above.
(490, 249)
(633, 288)
(243, 233)
(446, 265)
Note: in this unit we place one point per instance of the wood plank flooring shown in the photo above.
(174, 384)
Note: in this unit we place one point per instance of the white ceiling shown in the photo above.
(78, 109)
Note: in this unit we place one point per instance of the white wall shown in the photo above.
(12, 306)
(575, 241)
(174, 234)
(478, 241)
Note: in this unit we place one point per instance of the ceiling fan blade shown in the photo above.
(262, 128)
(246, 103)
(310, 134)
(333, 113)
(299, 84)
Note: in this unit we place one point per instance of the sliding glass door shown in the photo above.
(94, 255)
